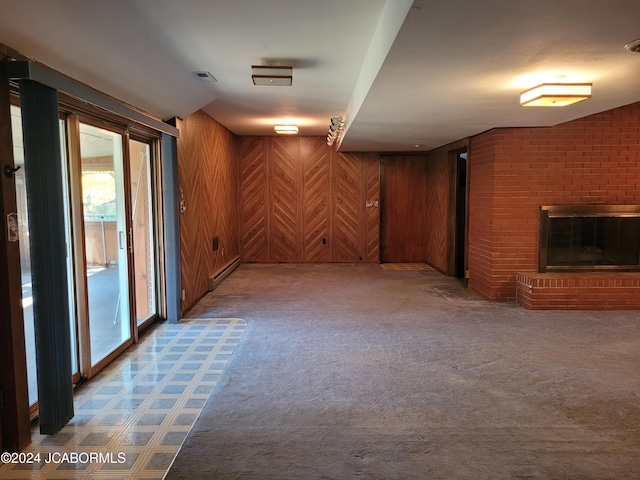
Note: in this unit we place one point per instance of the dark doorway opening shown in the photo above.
(460, 213)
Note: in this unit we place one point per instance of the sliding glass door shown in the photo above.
(110, 217)
(106, 239)
(143, 228)
(25, 255)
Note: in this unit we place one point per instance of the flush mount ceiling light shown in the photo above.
(272, 75)
(555, 94)
(633, 46)
(286, 129)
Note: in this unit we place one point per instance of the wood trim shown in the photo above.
(130, 244)
(78, 246)
(15, 416)
(157, 168)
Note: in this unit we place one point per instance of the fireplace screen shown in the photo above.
(590, 238)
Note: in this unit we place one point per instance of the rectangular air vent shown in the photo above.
(205, 76)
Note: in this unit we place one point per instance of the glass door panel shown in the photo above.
(69, 253)
(106, 245)
(25, 255)
(144, 260)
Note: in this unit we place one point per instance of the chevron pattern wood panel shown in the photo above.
(372, 214)
(254, 200)
(285, 185)
(437, 213)
(316, 210)
(349, 196)
(208, 178)
(297, 191)
(441, 206)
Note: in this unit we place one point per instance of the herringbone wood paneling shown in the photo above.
(254, 199)
(316, 213)
(372, 226)
(208, 178)
(348, 208)
(440, 213)
(297, 191)
(284, 167)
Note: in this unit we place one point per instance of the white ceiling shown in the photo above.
(402, 72)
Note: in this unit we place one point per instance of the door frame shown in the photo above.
(15, 421)
(15, 418)
(155, 172)
(458, 216)
(86, 368)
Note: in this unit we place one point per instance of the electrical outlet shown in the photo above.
(222, 251)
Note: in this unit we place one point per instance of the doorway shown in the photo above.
(403, 205)
(109, 180)
(460, 228)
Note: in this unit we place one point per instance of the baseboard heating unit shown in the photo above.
(218, 277)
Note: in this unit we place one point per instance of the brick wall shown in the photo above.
(513, 171)
(579, 291)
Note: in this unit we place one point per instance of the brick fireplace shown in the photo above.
(591, 161)
(586, 238)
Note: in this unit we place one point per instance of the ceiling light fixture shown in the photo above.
(633, 46)
(555, 94)
(272, 75)
(286, 129)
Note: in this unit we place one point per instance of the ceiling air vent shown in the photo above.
(205, 77)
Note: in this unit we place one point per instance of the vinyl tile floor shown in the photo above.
(132, 418)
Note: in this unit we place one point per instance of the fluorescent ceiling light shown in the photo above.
(555, 94)
(272, 75)
(286, 129)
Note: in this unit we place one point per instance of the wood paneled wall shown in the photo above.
(440, 213)
(297, 193)
(208, 179)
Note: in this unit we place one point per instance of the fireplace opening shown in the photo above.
(593, 237)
